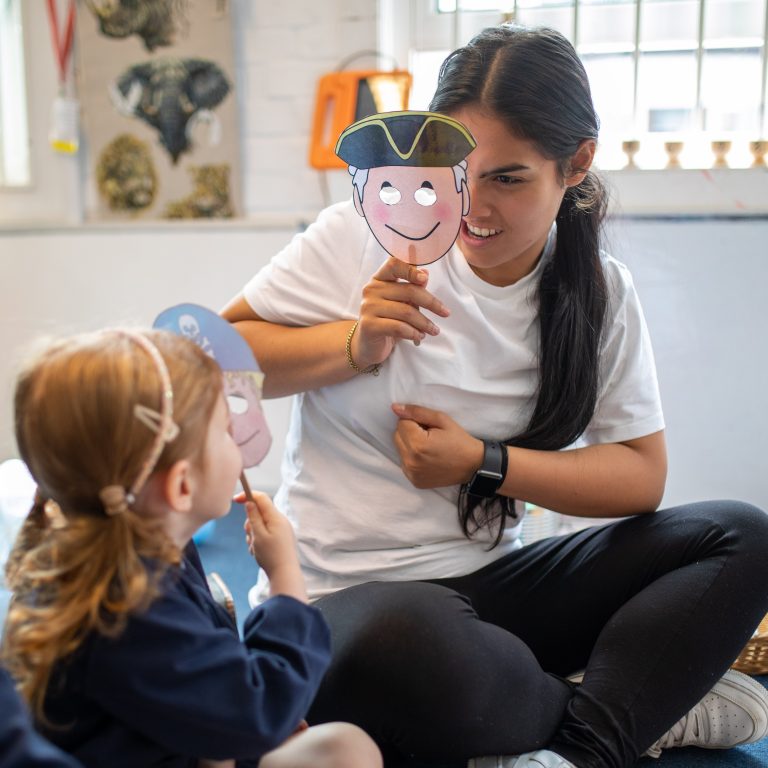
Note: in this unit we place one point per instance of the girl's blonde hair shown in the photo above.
(84, 570)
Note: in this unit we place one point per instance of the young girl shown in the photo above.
(112, 635)
(528, 340)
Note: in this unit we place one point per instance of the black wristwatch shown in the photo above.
(488, 479)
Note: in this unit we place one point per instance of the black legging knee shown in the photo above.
(656, 606)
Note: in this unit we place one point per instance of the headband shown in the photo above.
(114, 497)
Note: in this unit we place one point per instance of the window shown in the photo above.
(662, 71)
(14, 136)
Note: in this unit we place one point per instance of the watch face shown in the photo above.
(489, 477)
(484, 483)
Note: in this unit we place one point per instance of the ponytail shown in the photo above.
(572, 299)
(69, 579)
(534, 82)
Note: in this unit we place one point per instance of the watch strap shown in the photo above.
(488, 478)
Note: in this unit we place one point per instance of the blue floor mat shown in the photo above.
(224, 551)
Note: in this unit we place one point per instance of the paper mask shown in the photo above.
(409, 180)
(242, 375)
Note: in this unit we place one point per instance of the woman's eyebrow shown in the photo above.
(513, 168)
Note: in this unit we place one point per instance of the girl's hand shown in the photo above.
(391, 310)
(434, 450)
(272, 542)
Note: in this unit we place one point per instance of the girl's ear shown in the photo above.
(580, 162)
(177, 486)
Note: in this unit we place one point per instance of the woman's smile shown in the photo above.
(481, 232)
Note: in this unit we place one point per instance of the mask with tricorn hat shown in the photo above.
(409, 180)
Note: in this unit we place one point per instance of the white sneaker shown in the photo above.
(542, 758)
(494, 761)
(734, 712)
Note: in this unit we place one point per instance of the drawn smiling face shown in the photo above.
(249, 427)
(414, 212)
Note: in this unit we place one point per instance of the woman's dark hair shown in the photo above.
(532, 80)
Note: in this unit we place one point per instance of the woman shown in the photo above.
(450, 637)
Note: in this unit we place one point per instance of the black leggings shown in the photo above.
(655, 607)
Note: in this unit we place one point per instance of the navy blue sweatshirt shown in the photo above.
(20, 745)
(178, 684)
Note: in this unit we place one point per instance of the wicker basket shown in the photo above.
(754, 658)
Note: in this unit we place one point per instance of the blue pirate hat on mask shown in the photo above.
(405, 138)
(212, 333)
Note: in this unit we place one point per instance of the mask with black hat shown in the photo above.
(409, 180)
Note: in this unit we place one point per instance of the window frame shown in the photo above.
(56, 190)
(22, 142)
(688, 191)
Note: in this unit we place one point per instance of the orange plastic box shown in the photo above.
(347, 96)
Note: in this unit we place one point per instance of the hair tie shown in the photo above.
(115, 499)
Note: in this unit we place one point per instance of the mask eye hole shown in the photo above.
(388, 194)
(425, 194)
(238, 405)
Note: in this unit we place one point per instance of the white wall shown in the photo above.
(703, 287)
(62, 281)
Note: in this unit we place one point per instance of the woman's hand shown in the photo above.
(434, 450)
(391, 310)
(271, 540)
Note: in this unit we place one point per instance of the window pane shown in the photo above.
(733, 23)
(425, 66)
(666, 24)
(449, 6)
(547, 13)
(667, 91)
(614, 105)
(606, 26)
(730, 90)
(14, 144)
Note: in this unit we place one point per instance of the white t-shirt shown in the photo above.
(356, 515)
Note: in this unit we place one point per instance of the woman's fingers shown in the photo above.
(387, 315)
(391, 309)
(403, 293)
(401, 282)
(394, 269)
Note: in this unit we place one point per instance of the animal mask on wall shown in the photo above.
(154, 21)
(126, 175)
(172, 95)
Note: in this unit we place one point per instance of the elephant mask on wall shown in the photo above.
(172, 95)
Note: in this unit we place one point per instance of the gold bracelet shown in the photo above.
(374, 369)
